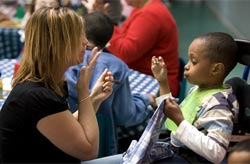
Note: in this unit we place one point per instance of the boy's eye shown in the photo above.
(194, 61)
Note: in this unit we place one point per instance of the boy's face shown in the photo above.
(198, 69)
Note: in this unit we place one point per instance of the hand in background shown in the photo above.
(96, 5)
(173, 111)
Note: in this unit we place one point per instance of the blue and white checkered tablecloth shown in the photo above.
(142, 83)
(7, 70)
(10, 43)
(7, 67)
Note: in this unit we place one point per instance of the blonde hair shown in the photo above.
(53, 38)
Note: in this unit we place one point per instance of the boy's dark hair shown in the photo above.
(221, 48)
(99, 28)
(241, 146)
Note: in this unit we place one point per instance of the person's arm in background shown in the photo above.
(129, 109)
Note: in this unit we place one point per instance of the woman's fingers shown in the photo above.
(93, 57)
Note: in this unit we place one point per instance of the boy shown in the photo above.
(202, 125)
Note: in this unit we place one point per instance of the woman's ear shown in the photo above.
(218, 69)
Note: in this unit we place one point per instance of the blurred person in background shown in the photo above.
(150, 30)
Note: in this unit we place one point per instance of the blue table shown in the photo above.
(7, 69)
(10, 43)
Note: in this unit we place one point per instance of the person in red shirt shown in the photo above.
(149, 31)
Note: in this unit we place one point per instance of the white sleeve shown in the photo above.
(195, 140)
(162, 97)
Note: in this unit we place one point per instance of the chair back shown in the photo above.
(244, 56)
(241, 89)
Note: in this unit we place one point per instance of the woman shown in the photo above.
(35, 123)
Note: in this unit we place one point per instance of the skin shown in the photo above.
(45, 3)
(98, 5)
(198, 71)
(239, 157)
(79, 135)
(137, 3)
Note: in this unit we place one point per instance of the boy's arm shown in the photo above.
(209, 135)
(159, 71)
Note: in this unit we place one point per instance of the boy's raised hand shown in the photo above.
(159, 69)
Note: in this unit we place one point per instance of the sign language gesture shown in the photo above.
(102, 88)
(159, 70)
(86, 73)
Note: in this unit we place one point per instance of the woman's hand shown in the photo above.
(85, 75)
(173, 111)
(102, 89)
(96, 5)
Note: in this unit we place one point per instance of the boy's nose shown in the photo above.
(186, 67)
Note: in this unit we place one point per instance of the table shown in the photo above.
(10, 43)
(7, 70)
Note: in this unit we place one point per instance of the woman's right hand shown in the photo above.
(86, 74)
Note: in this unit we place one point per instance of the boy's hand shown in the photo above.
(173, 111)
(159, 69)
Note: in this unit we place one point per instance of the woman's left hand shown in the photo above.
(102, 88)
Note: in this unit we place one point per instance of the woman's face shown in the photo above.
(46, 3)
(80, 56)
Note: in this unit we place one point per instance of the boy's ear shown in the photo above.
(218, 69)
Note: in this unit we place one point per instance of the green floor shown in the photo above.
(197, 17)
